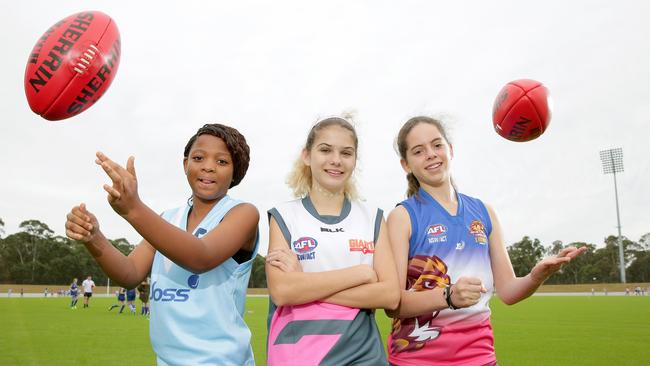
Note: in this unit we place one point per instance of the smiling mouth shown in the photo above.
(207, 181)
(334, 173)
(433, 166)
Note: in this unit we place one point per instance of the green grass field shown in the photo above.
(574, 331)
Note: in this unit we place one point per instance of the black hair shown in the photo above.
(235, 142)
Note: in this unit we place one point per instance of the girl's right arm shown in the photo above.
(295, 288)
(126, 271)
(237, 230)
(465, 292)
(385, 293)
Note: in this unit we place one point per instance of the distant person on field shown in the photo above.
(9, 292)
(143, 293)
(121, 294)
(88, 286)
(130, 298)
(74, 292)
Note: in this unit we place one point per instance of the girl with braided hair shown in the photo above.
(450, 256)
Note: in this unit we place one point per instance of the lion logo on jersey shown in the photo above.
(477, 229)
(424, 273)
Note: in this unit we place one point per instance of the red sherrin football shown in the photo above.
(521, 110)
(72, 65)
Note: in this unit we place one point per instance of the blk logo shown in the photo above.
(328, 230)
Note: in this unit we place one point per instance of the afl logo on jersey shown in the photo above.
(437, 229)
(437, 233)
(305, 247)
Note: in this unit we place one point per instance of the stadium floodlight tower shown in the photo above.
(612, 160)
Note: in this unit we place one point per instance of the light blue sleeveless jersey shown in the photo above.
(198, 319)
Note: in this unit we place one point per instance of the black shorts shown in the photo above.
(88, 294)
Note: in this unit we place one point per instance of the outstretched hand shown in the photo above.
(123, 194)
(81, 224)
(545, 268)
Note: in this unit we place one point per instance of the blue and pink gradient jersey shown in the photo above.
(319, 333)
(443, 248)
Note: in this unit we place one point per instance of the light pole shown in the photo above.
(612, 160)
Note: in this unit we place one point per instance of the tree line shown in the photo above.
(35, 255)
(596, 265)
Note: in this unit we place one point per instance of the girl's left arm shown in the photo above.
(510, 288)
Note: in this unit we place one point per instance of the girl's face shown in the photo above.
(428, 155)
(332, 158)
(209, 168)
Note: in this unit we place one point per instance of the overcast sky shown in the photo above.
(273, 68)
